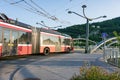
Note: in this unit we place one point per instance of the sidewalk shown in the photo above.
(58, 68)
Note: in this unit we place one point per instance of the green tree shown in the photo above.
(118, 37)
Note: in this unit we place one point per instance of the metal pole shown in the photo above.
(104, 52)
(87, 37)
(87, 50)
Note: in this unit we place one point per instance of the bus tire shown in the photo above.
(68, 50)
(46, 51)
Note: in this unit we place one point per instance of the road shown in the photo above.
(55, 64)
(8, 67)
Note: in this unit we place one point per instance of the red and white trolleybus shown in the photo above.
(17, 38)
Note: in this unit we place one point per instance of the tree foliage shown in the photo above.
(95, 32)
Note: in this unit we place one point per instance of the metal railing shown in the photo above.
(112, 56)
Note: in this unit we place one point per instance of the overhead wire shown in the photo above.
(33, 9)
(52, 17)
(23, 7)
(44, 14)
(39, 7)
(17, 2)
(29, 7)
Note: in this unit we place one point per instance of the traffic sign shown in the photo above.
(104, 35)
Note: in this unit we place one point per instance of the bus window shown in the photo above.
(24, 38)
(67, 41)
(46, 39)
(49, 40)
(14, 37)
(7, 35)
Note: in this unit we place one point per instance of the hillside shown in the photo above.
(96, 29)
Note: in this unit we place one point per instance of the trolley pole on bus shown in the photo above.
(87, 25)
(43, 24)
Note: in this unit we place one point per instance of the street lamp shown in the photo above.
(87, 25)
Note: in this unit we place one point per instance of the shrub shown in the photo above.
(95, 73)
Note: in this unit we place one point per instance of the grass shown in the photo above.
(95, 73)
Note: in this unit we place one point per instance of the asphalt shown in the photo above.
(62, 67)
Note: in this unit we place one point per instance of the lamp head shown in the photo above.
(84, 6)
(69, 12)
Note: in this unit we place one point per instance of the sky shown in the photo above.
(24, 11)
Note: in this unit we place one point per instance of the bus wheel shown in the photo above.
(68, 50)
(46, 51)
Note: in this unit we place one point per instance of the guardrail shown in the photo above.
(112, 56)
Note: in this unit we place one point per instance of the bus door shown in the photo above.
(9, 42)
(6, 42)
(14, 42)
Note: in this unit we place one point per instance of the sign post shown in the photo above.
(104, 35)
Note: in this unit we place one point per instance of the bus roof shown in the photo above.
(5, 19)
(47, 30)
(8, 20)
(14, 22)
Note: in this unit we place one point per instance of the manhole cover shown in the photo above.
(32, 79)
